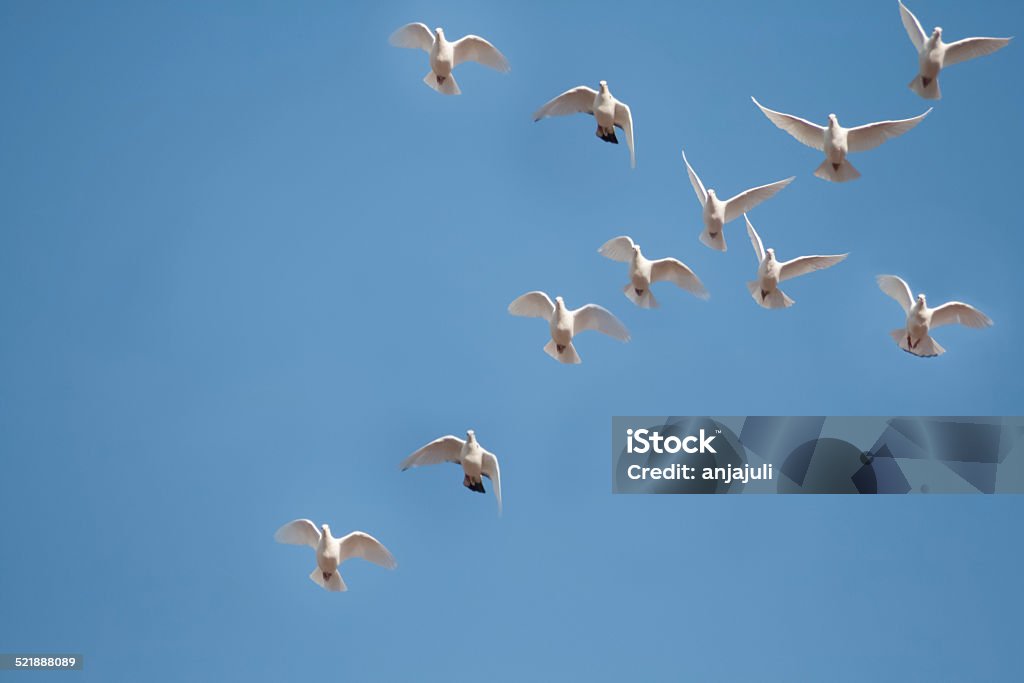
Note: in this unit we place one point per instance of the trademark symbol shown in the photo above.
(718, 431)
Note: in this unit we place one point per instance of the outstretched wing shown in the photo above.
(810, 134)
(594, 317)
(576, 101)
(624, 120)
(745, 201)
(913, 26)
(476, 49)
(446, 449)
(298, 532)
(678, 273)
(360, 544)
(618, 249)
(957, 312)
(969, 48)
(755, 240)
(533, 305)
(489, 468)
(863, 138)
(414, 36)
(898, 289)
(807, 264)
(698, 186)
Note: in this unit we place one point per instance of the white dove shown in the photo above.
(933, 55)
(608, 111)
(717, 212)
(770, 271)
(445, 55)
(643, 272)
(566, 324)
(914, 337)
(476, 462)
(331, 552)
(836, 142)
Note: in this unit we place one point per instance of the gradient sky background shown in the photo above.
(249, 262)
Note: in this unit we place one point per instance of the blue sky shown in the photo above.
(248, 262)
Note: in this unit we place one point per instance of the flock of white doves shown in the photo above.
(833, 139)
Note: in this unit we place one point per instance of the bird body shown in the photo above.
(564, 323)
(933, 54)
(640, 273)
(332, 552)
(713, 215)
(604, 113)
(915, 336)
(328, 554)
(476, 462)
(929, 61)
(445, 55)
(643, 272)
(442, 57)
(473, 463)
(836, 145)
(768, 272)
(561, 325)
(919, 320)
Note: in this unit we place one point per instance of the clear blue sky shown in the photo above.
(248, 262)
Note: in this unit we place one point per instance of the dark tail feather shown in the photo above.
(478, 487)
(607, 135)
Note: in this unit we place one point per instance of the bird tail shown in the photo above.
(774, 299)
(717, 242)
(445, 85)
(645, 300)
(930, 91)
(607, 134)
(477, 486)
(333, 584)
(926, 347)
(845, 171)
(568, 354)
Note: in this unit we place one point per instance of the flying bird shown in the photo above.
(476, 462)
(608, 111)
(331, 552)
(771, 271)
(933, 55)
(915, 337)
(566, 324)
(643, 272)
(836, 142)
(718, 212)
(445, 55)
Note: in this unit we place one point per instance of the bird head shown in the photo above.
(833, 120)
(439, 32)
(470, 435)
(603, 84)
(559, 302)
(921, 300)
(325, 529)
(769, 254)
(711, 192)
(636, 248)
(937, 33)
